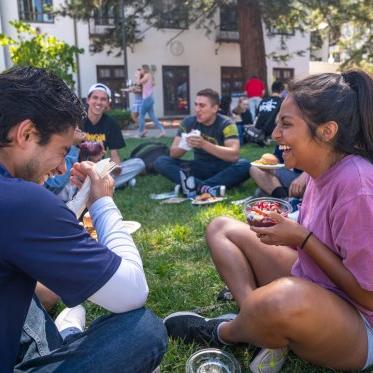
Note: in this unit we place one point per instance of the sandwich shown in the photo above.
(268, 159)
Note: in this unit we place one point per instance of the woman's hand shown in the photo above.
(285, 232)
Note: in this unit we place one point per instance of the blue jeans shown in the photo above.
(128, 342)
(147, 107)
(253, 105)
(205, 172)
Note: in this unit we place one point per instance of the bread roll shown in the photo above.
(268, 159)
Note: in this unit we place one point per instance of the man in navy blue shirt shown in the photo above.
(41, 240)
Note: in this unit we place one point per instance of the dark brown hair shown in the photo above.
(346, 99)
(40, 96)
(212, 95)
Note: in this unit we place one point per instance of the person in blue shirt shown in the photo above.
(42, 241)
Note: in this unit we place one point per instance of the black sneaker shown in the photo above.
(191, 327)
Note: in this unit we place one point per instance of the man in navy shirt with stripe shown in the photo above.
(41, 240)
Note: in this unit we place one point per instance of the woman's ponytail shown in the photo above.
(362, 84)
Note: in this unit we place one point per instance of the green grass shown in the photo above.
(180, 273)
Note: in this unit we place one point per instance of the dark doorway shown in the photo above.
(113, 77)
(176, 90)
(231, 81)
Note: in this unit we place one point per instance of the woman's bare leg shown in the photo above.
(281, 311)
(242, 260)
(315, 323)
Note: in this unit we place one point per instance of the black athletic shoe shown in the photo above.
(191, 327)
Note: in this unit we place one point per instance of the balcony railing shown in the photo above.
(227, 36)
(100, 25)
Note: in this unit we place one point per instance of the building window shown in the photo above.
(113, 77)
(38, 11)
(228, 18)
(231, 81)
(170, 15)
(176, 90)
(106, 15)
(282, 74)
(103, 19)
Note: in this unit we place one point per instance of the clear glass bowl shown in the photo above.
(212, 360)
(255, 210)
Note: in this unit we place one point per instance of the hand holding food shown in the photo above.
(285, 231)
(195, 141)
(258, 211)
(100, 187)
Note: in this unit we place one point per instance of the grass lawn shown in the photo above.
(179, 270)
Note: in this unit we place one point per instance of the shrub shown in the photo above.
(123, 117)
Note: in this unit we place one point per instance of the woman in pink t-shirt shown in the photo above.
(147, 106)
(306, 286)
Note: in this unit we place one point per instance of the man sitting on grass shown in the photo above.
(215, 146)
(43, 241)
(102, 128)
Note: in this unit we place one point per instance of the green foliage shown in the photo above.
(280, 15)
(32, 48)
(123, 117)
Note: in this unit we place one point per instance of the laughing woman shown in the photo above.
(306, 286)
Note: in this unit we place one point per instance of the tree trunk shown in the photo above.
(253, 60)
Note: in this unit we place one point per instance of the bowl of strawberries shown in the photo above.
(257, 210)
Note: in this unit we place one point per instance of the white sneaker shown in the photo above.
(269, 360)
(71, 318)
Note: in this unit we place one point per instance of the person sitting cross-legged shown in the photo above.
(100, 127)
(216, 148)
(42, 241)
(305, 286)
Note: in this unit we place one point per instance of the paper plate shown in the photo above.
(132, 226)
(208, 201)
(268, 166)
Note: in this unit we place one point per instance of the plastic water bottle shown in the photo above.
(188, 183)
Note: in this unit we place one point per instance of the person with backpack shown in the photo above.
(268, 109)
(213, 138)
(100, 127)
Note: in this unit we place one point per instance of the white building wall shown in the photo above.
(202, 54)
(300, 64)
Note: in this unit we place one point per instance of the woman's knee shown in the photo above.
(279, 304)
(218, 226)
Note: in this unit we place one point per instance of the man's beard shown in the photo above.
(30, 172)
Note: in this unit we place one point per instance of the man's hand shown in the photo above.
(298, 186)
(100, 187)
(79, 136)
(195, 141)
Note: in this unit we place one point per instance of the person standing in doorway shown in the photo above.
(147, 106)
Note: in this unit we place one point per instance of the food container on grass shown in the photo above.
(212, 360)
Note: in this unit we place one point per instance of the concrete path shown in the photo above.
(170, 128)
